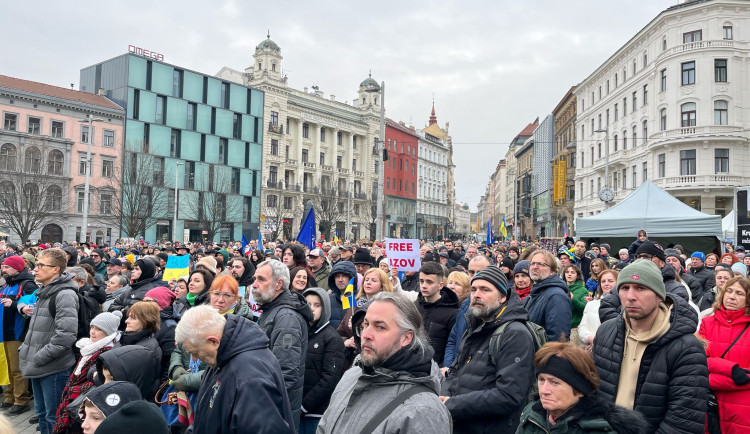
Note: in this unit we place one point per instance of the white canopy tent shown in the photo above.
(728, 225)
(665, 219)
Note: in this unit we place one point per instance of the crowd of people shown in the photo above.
(503, 338)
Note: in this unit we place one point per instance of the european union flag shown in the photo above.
(306, 234)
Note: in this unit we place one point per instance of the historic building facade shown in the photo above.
(434, 213)
(43, 161)
(401, 177)
(314, 149)
(563, 165)
(673, 105)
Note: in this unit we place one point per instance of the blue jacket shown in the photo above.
(337, 311)
(454, 339)
(549, 306)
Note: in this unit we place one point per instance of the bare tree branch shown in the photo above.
(330, 208)
(216, 202)
(278, 212)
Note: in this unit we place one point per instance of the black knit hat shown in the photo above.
(138, 416)
(495, 276)
(651, 248)
(362, 256)
(507, 262)
(522, 267)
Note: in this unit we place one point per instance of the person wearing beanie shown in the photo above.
(701, 273)
(136, 416)
(438, 306)
(100, 264)
(486, 387)
(103, 402)
(506, 265)
(164, 297)
(513, 253)
(693, 286)
(103, 336)
(668, 384)
(19, 282)
(522, 279)
(739, 269)
(610, 304)
(208, 263)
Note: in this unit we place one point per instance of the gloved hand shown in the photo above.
(180, 383)
(178, 373)
(740, 376)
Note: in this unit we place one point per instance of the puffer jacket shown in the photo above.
(48, 347)
(337, 309)
(672, 384)
(131, 363)
(364, 391)
(706, 279)
(145, 339)
(285, 320)
(457, 332)
(487, 397)
(324, 363)
(438, 319)
(410, 283)
(694, 285)
(165, 337)
(610, 305)
(720, 330)
(549, 306)
(589, 415)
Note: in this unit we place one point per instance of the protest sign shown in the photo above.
(177, 266)
(403, 254)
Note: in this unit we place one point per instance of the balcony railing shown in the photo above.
(278, 129)
(358, 173)
(718, 180)
(292, 187)
(690, 46)
(274, 184)
(723, 130)
(360, 195)
(342, 170)
(309, 164)
(291, 161)
(327, 168)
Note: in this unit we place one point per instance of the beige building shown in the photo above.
(314, 148)
(563, 165)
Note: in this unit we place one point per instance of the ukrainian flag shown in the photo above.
(336, 238)
(347, 300)
(503, 230)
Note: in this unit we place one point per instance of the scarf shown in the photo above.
(191, 298)
(523, 292)
(89, 348)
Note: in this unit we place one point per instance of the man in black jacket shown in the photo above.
(243, 389)
(700, 272)
(438, 306)
(487, 385)
(285, 320)
(648, 359)
(584, 263)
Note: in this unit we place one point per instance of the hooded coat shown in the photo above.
(364, 391)
(706, 279)
(146, 339)
(589, 415)
(165, 337)
(672, 384)
(439, 318)
(285, 322)
(337, 309)
(324, 363)
(245, 391)
(721, 329)
(488, 397)
(138, 289)
(132, 363)
(549, 306)
(410, 283)
(48, 347)
(16, 287)
(248, 276)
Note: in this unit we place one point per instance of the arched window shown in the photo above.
(721, 112)
(54, 198)
(33, 160)
(7, 195)
(30, 196)
(688, 114)
(8, 157)
(55, 162)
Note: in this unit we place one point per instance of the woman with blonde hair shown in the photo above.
(590, 321)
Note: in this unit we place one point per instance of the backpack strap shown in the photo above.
(735, 341)
(395, 402)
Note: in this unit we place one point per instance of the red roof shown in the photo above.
(57, 92)
(393, 124)
(529, 130)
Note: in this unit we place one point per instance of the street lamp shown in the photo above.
(381, 169)
(176, 179)
(89, 142)
(606, 194)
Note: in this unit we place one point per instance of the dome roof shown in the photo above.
(369, 82)
(269, 44)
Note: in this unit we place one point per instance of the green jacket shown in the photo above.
(579, 302)
(588, 416)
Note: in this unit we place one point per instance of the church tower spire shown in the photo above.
(433, 118)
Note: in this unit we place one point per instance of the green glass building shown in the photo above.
(194, 130)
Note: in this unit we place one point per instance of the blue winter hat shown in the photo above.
(699, 255)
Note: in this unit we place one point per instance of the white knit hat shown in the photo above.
(108, 322)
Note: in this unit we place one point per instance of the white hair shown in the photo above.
(278, 271)
(198, 323)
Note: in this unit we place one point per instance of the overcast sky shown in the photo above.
(493, 66)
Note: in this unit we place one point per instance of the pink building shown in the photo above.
(43, 146)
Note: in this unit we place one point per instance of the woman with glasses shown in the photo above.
(224, 297)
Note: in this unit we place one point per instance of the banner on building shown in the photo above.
(403, 253)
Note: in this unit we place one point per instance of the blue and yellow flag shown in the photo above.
(347, 300)
(336, 238)
(503, 229)
(177, 266)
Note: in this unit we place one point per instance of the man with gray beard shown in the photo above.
(486, 386)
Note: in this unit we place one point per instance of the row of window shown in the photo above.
(57, 128)
(688, 165)
(32, 161)
(401, 186)
(687, 37)
(53, 197)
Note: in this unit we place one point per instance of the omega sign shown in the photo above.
(145, 53)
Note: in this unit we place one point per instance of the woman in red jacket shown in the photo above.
(729, 377)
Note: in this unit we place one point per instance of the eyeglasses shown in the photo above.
(538, 264)
(39, 264)
(224, 295)
(644, 256)
(94, 255)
